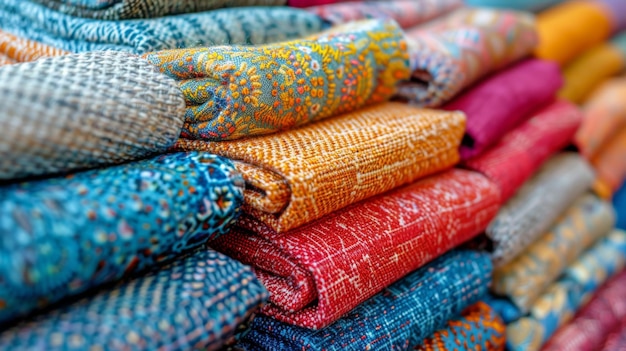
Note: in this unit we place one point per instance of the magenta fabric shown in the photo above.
(503, 101)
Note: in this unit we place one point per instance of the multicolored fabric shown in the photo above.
(128, 9)
(503, 101)
(65, 114)
(610, 163)
(23, 50)
(559, 303)
(320, 271)
(456, 51)
(537, 205)
(308, 3)
(63, 236)
(524, 5)
(249, 25)
(407, 13)
(478, 328)
(529, 274)
(398, 318)
(234, 92)
(195, 302)
(518, 155)
(617, 339)
(302, 174)
(595, 321)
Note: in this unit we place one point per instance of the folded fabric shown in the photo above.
(593, 67)
(398, 318)
(524, 279)
(234, 92)
(592, 325)
(408, 13)
(250, 25)
(196, 302)
(300, 175)
(569, 29)
(87, 110)
(320, 271)
(62, 236)
(128, 9)
(518, 155)
(559, 303)
(524, 5)
(617, 339)
(610, 163)
(619, 202)
(537, 205)
(503, 101)
(23, 50)
(478, 328)
(459, 49)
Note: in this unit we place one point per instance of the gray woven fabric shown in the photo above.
(537, 205)
(80, 111)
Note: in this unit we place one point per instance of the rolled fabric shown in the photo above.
(594, 322)
(320, 271)
(81, 111)
(503, 101)
(245, 25)
(408, 13)
(610, 163)
(529, 274)
(300, 175)
(478, 328)
(400, 317)
(559, 303)
(520, 153)
(619, 202)
(129, 9)
(617, 12)
(5, 60)
(537, 204)
(23, 50)
(196, 302)
(233, 92)
(571, 28)
(617, 339)
(504, 307)
(444, 60)
(308, 3)
(62, 236)
(523, 5)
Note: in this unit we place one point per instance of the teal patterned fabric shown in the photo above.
(243, 25)
(63, 236)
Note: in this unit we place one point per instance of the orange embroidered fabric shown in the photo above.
(302, 174)
(15, 49)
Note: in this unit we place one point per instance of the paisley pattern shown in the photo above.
(63, 236)
(237, 92)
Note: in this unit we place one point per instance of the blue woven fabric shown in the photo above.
(398, 318)
(504, 307)
(619, 202)
(63, 236)
(195, 303)
(243, 25)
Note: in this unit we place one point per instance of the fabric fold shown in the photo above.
(617, 339)
(18, 49)
(83, 111)
(62, 236)
(610, 163)
(300, 175)
(233, 92)
(320, 271)
(519, 154)
(400, 317)
(195, 302)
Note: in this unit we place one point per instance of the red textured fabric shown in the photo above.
(521, 152)
(320, 271)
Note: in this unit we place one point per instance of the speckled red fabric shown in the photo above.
(320, 271)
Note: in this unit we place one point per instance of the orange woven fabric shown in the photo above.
(23, 50)
(300, 175)
(610, 162)
(5, 60)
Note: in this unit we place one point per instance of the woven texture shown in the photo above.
(242, 91)
(610, 163)
(529, 274)
(300, 175)
(407, 13)
(518, 155)
(86, 110)
(398, 318)
(320, 271)
(23, 50)
(503, 101)
(524, 5)
(62, 236)
(128, 9)
(478, 328)
(194, 303)
(595, 321)
(563, 298)
(250, 25)
(445, 60)
(617, 339)
(537, 205)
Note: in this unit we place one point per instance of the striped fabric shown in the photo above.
(19, 49)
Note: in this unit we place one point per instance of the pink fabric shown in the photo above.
(307, 3)
(503, 101)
